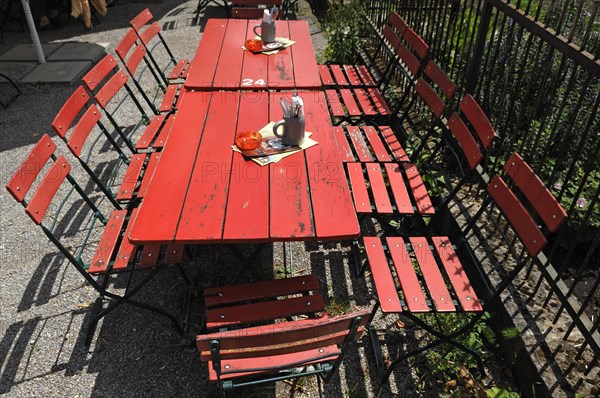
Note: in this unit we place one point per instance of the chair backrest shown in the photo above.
(105, 80)
(412, 51)
(251, 9)
(148, 30)
(42, 157)
(79, 124)
(132, 53)
(545, 206)
(474, 133)
(435, 88)
(328, 336)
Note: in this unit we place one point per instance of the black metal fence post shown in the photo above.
(473, 74)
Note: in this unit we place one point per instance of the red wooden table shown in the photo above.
(221, 64)
(203, 192)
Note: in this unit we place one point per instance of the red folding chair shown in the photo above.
(423, 275)
(252, 9)
(148, 30)
(52, 205)
(80, 124)
(132, 53)
(257, 350)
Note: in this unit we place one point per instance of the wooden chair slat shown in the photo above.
(379, 101)
(359, 144)
(99, 72)
(416, 42)
(134, 60)
(126, 44)
(69, 111)
(126, 252)
(362, 203)
(160, 141)
(397, 22)
(150, 132)
(514, 211)
(364, 102)
(150, 33)
(246, 12)
(168, 101)
(111, 88)
(436, 285)
(435, 103)
(82, 130)
(392, 142)
(381, 154)
(334, 103)
(260, 290)
(399, 190)
(392, 37)
(479, 120)
(141, 19)
(408, 59)
(131, 177)
(21, 182)
(545, 204)
(465, 139)
(352, 75)
(343, 145)
(338, 74)
(418, 189)
(150, 167)
(349, 102)
(414, 296)
(382, 276)
(365, 75)
(459, 280)
(264, 311)
(177, 71)
(440, 78)
(37, 206)
(326, 77)
(378, 188)
(108, 242)
(273, 362)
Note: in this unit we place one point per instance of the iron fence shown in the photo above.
(534, 67)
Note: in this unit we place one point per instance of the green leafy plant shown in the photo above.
(344, 27)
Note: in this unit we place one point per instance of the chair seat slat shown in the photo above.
(362, 203)
(393, 144)
(338, 75)
(343, 145)
(382, 276)
(150, 167)
(379, 189)
(126, 252)
(438, 292)
(365, 75)
(334, 103)
(418, 189)
(359, 144)
(168, 101)
(108, 242)
(177, 71)
(349, 102)
(399, 190)
(365, 103)
(352, 74)
(131, 177)
(459, 280)
(405, 272)
(381, 154)
(326, 77)
(150, 132)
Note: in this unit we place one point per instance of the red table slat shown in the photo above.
(204, 209)
(247, 215)
(306, 72)
(291, 214)
(229, 73)
(279, 66)
(158, 217)
(203, 67)
(334, 213)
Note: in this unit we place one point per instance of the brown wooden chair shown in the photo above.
(260, 351)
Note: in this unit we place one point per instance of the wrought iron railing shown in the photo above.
(534, 67)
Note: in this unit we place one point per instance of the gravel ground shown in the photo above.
(44, 302)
